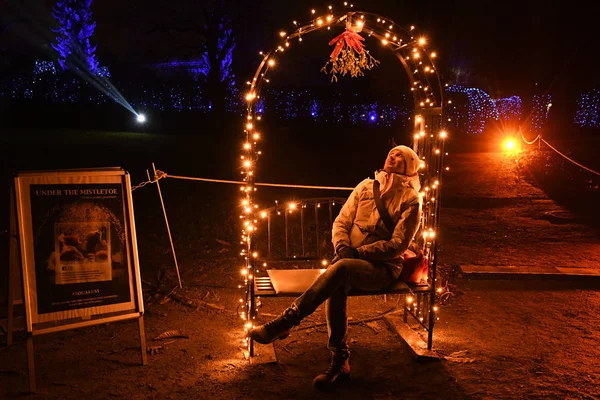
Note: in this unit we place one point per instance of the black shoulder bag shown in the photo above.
(383, 212)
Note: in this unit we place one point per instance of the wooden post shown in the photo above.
(142, 339)
(168, 228)
(14, 271)
(405, 315)
(302, 229)
(9, 302)
(432, 299)
(286, 234)
(269, 234)
(317, 229)
(30, 362)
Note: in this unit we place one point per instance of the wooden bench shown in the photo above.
(294, 282)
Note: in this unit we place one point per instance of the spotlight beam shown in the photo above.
(31, 13)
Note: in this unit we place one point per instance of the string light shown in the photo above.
(541, 105)
(480, 107)
(588, 108)
(424, 87)
(509, 108)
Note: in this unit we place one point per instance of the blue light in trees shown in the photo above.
(260, 108)
(372, 116)
(588, 109)
(540, 110)
(103, 72)
(44, 67)
(480, 107)
(227, 45)
(195, 68)
(73, 35)
(314, 109)
(59, 87)
(509, 107)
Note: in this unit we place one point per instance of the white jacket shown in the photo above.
(359, 225)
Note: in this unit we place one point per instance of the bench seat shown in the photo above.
(294, 282)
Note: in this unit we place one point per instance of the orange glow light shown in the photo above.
(510, 145)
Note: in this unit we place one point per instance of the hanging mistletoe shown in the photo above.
(349, 56)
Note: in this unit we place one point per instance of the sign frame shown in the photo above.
(106, 192)
(91, 187)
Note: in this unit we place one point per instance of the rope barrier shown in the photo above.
(162, 174)
(158, 175)
(533, 141)
(305, 186)
(539, 137)
(570, 159)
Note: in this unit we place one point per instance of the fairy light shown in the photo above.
(480, 107)
(588, 107)
(426, 90)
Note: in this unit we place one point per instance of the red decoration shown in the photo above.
(347, 38)
(349, 55)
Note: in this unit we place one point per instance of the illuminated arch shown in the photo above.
(427, 91)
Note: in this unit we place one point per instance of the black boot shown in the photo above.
(338, 370)
(279, 328)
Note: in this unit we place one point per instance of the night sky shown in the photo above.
(508, 46)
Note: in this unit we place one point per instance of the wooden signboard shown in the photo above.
(78, 251)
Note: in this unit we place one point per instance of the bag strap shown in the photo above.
(383, 212)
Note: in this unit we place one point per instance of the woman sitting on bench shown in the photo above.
(370, 235)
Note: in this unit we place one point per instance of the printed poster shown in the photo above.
(80, 251)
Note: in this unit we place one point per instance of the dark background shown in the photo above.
(508, 46)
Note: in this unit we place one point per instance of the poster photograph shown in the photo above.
(78, 253)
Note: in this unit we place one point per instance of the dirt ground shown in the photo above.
(497, 339)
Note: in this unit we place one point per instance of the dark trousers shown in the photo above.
(333, 286)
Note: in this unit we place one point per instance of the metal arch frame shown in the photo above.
(428, 117)
(399, 48)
